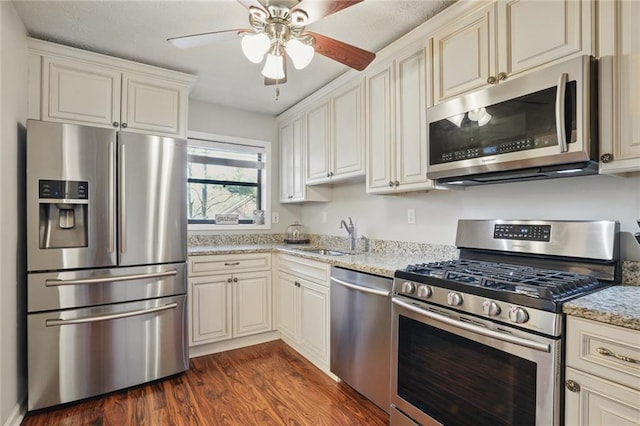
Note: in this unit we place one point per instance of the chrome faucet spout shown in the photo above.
(351, 230)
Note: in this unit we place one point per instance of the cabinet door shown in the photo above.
(80, 93)
(522, 42)
(411, 121)
(286, 163)
(287, 305)
(314, 319)
(464, 54)
(210, 303)
(252, 303)
(600, 402)
(348, 133)
(318, 143)
(380, 131)
(152, 105)
(298, 186)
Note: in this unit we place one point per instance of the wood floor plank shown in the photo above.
(267, 384)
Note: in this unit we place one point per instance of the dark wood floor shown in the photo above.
(267, 384)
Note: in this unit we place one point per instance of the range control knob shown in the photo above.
(424, 291)
(454, 299)
(408, 287)
(518, 315)
(491, 308)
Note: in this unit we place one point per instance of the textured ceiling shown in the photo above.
(137, 30)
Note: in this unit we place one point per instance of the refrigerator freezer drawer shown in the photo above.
(85, 352)
(48, 291)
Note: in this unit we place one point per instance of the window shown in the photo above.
(227, 176)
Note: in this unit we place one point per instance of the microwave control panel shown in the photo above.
(501, 148)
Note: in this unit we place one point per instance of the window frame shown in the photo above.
(265, 183)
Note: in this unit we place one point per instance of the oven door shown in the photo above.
(455, 369)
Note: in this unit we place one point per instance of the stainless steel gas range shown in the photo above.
(479, 340)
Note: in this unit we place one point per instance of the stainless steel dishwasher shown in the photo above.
(361, 332)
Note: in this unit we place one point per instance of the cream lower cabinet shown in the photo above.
(81, 87)
(505, 38)
(397, 99)
(302, 307)
(230, 304)
(602, 378)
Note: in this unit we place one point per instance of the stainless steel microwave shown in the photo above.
(541, 125)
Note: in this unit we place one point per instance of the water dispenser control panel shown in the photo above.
(63, 189)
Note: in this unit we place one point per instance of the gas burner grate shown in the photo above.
(533, 282)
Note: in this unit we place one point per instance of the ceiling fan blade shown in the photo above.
(249, 3)
(344, 53)
(317, 9)
(196, 40)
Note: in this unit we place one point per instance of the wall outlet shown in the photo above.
(275, 217)
(324, 217)
(411, 215)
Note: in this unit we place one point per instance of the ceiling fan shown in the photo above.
(278, 27)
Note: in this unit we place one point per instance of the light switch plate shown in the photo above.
(275, 217)
(324, 217)
(411, 215)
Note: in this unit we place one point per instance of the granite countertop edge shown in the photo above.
(616, 305)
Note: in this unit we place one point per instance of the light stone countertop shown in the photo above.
(617, 305)
(374, 263)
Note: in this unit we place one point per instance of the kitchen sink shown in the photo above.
(322, 251)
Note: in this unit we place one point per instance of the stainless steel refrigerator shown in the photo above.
(106, 260)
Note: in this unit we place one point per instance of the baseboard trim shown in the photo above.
(17, 414)
(228, 345)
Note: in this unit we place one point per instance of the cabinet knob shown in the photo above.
(235, 280)
(572, 386)
(606, 158)
(396, 183)
(331, 174)
(297, 284)
(124, 125)
(390, 183)
(491, 80)
(115, 124)
(228, 280)
(502, 76)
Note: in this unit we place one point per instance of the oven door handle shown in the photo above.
(361, 289)
(542, 347)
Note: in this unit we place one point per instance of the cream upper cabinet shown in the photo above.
(318, 144)
(396, 125)
(292, 164)
(75, 86)
(335, 136)
(602, 378)
(620, 86)
(505, 38)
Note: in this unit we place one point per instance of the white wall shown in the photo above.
(437, 212)
(222, 120)
(13, 113)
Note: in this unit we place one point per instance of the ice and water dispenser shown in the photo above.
(63, 220)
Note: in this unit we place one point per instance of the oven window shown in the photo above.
(519, 124)
(457, 381)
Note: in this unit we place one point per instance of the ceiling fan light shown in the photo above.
(274, 67)
(300, 53)
(254, 46)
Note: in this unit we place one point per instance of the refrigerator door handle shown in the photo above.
(99, 318)
(123, 205)
(56, 283)
(112, 198)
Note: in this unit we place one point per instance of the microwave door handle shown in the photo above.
(561, 127)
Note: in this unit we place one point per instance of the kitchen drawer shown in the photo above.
(318, 272)
(228, 263)
(599, 349)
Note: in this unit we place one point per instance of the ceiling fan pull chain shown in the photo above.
(277, 93)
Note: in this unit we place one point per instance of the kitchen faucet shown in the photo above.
(351, 230)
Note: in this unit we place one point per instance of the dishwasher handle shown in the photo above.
(360, 288)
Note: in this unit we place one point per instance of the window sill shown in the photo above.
(247, 227)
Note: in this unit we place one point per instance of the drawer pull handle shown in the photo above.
(607, 352)
(231, 263)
